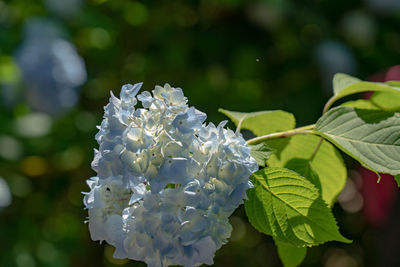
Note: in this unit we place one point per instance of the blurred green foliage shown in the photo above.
(235, 54)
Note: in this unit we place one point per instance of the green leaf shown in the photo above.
(326, 170)
(372, 137)
(277, 145)
(262, 122)
(288, 207)
(388, 101)
(393, 83)
(344, 85)
(260, 153)
(397, 178)
(361, 103)
(290, 256)
(341, 81)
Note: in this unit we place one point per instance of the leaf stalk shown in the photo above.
(301, 130)
(329, 104)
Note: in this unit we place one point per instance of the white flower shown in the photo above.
(166, 182)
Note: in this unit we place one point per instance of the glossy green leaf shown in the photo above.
(393, 83)
(361, 103)
(326, 170)
(386, 100)
(372, 137)
(262, 122)
(344, 85)
(260, 153)
(289, 207)
(341, 81)
(290, 256)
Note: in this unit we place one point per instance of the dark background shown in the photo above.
(59, 60)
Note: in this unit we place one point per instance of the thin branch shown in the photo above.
(329, 104)
(302, 130)
(316, 148)
(240, 123)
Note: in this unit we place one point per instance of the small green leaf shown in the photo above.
(388, 101)
(372, 137)
(262, 122)
(260, 153)
(326, 170)
(393, 83)
(362, 103)
(288, 207)
(341, 81)
(397, 178)
(344, 85)
(290, 256)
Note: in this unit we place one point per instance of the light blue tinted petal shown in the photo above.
(129, 91)
(174, 170)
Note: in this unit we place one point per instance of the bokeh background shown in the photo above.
(59, 60)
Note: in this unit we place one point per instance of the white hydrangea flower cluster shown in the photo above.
(166, 182)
